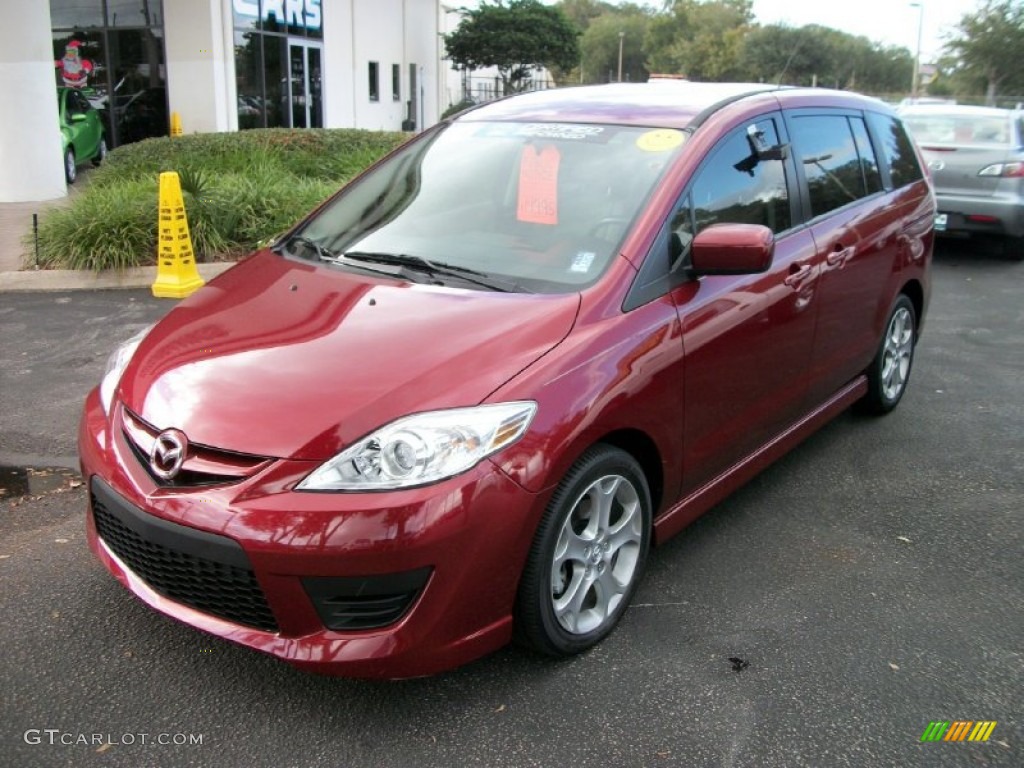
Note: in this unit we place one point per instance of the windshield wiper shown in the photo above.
(435, 268)
(322, 253)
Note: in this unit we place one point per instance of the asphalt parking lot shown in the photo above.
(869, 583)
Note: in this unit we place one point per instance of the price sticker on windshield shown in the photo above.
(660, 140)
(538, 185)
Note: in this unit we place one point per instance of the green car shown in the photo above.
(81, 132)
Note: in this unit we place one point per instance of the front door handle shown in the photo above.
(797, 274)
(839, 255)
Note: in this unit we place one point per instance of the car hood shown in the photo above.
(293, 360)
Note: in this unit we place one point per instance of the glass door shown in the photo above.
(304, 84)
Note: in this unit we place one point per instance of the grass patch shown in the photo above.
(239, 189)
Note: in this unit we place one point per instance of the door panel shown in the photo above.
(856, 249)
(856, 238)
(747, 343)
(747, 339)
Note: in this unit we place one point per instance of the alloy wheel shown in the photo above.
(596, 556)
(897, 352)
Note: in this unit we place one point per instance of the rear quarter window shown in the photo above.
(897, 149)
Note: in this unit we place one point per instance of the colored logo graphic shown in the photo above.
(958, 730)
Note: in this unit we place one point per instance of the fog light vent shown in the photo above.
(365, 602)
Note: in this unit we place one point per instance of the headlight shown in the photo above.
(423, 449)
(116, 364)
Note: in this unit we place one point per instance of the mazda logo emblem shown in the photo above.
(168, 453)
(936, 165)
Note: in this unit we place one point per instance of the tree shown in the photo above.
(515, 38)
(989, 44)
(600, 45)
(814, 55)
(582, 12)
(702, 40)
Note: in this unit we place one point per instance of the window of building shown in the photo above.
(278, 63)
(374, 73)
(112, 53)
(396, 82)
(133, 13)
(76, 13)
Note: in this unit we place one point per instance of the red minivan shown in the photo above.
(460, 401)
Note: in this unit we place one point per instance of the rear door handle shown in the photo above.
(797, 274)
(839, 255)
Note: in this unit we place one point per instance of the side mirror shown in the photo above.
(732, 249)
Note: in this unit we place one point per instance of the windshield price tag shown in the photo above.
(538, 185)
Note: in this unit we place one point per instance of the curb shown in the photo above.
(87, 280)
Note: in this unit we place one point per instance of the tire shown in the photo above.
(587, 558)
(70, 166)
(889, 372)
(101, 153)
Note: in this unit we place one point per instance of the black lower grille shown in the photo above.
(201, 570)
(365, 602)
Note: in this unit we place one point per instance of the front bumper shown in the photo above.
(255, 562)
(1007, 214)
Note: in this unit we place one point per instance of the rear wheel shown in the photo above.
(588, 555)
(890, 370)
(70, 168)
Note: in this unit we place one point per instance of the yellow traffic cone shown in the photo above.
(176, 273)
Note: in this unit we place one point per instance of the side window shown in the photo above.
(868, 161)
(736, 186)
(75, 105)
(826, 148)
(899, 152)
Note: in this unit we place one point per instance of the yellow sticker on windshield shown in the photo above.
(660, 140)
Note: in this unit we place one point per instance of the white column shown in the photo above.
(31, 166)
(200, 63)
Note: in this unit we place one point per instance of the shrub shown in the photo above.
(239, 189)
(454, 109)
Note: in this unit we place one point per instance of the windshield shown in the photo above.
(541, 207)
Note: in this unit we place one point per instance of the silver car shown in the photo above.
(976, 158)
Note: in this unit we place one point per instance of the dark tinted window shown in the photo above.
(868, 161)
(374, 72)
(738, 187)
(825, 146)
(898, 151)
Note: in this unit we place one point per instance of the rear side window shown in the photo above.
(897, 149)
(826, 148)
(736, 186)
(868, 162)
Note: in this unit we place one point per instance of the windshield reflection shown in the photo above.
(542, 206)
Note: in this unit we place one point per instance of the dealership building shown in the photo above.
(221, 65)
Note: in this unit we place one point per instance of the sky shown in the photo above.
(891, 22)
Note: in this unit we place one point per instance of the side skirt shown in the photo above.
(714, 491)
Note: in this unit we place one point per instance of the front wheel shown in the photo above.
(70, 167)
(889, 372)
(587, 556)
